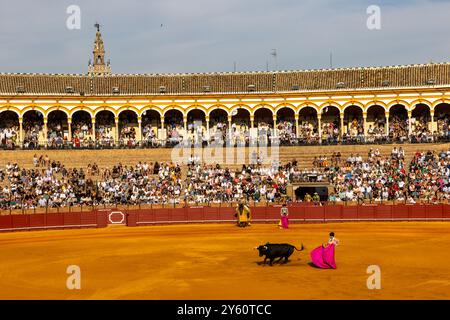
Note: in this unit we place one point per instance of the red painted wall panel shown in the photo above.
(20, 221)
(227, 213)
(88, 218)
(161, 215)
(434, 211)
(273, 212)
(297, 213)
(211, 213)
(350, 212)
(416, 211)
(400, 212)
(146, 215)
(333, 212)
(72, 219)
(366, 212)
(383, 212)
(37, 220)
(194, 214)
(5, 222)
(446, 211)
(102, 219)
(259, 213)
(315, 213)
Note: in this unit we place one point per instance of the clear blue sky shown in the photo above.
(209, 35)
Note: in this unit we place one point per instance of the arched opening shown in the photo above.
(240, 123)
(286, 128)
(33, 122)
(420, 123)
(128, 128)
(330, 124)
(353, 124)
(442, 119)
(218, 125)
(82, 132)
(264, 124)
(174, 126)
(307, 127)
(9, 129)
(151, 122)
(104, 128)
(376, 123)
(57, 129)
(398, 123)
(196, 126)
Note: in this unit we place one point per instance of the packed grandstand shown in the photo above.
(371, 178)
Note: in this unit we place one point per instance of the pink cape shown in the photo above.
(324, 257)
(284, 222)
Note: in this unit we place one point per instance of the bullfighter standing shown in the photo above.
(243, 215)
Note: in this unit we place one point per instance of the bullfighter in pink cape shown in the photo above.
(284, 221)
(323, 256)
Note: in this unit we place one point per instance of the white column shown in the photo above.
(342, 124)
(433, 125)
(69, 125)
(116, 136)
(365, 123)
(139, 133)
(319, 127)
(207, 126)
(275, 131)
(21, 131)
(297, 133)
(93, 129)
(45, 131)
(229, 126)
(162, 132)
(386, 114)
(409, 123)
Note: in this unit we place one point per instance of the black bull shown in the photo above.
(272, 251)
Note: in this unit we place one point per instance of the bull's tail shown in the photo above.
(301, 249)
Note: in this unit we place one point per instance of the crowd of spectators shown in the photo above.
(376, 178)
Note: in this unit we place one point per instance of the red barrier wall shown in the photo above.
(19, 222)
(383, 212)
(297, 213)
(269, 214)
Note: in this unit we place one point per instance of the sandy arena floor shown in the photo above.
(218, 262)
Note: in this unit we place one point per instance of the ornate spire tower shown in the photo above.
(98, 66)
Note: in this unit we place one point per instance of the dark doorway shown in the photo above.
(322, 191)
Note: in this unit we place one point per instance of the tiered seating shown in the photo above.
(304, 155)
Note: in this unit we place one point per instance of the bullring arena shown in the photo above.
(89, 177)
(173, 252)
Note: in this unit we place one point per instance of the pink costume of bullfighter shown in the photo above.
(323, 256)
